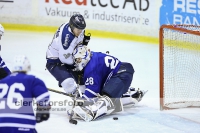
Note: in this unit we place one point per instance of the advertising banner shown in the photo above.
(15, 8)
(130, 12)
(180, 12)
(129, 17)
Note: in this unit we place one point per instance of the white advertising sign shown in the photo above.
(130, 12)
(15, 7)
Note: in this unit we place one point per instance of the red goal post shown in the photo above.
(179, 59)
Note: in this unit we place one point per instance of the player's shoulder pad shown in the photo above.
(66, 36)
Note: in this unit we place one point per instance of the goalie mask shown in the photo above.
(21, 64)
(81, 56)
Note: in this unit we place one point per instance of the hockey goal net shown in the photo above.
(179, 49)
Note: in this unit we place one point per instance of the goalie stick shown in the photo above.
(125, 104)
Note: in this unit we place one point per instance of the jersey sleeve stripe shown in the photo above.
(84, 96)
(2, 62)
(40, 97)
(92, 92)
(108, 78)
(4, 66)
(16, 125)
(17, 116)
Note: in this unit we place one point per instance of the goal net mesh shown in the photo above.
(180, 51)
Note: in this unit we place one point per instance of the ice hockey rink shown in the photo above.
(145, 117)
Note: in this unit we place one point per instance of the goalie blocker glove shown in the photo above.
(3, 73)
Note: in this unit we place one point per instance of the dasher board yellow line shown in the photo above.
(95, 33)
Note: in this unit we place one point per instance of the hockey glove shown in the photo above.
(69, 66)
(86, 39)
(42, 113)
(79, 75)
(3, 73)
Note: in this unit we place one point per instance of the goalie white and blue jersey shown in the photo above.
(98, 71)
(16, 100)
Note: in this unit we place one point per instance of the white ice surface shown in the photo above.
(143, 118)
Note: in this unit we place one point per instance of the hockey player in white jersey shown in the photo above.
(16, 99)
(107, 82)
(4, 71)
(59, 53)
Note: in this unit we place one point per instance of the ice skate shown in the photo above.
(136, 94)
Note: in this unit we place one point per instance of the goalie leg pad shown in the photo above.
(128, 101)
(83, 113)
(73, 115)
(104, 106)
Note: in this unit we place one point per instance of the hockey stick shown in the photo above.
(74, 99)
(59, 92)
(72, 121)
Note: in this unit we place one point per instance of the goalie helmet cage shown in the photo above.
(179, 56)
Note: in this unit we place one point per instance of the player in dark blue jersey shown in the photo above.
(59, 53)
(16, 99)
(4, 71)
(106, 78)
